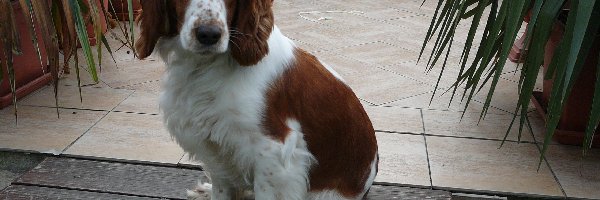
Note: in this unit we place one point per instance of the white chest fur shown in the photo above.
(206, 98)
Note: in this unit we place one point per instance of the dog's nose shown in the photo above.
(208, 34)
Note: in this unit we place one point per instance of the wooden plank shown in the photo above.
(21, 192)
(378, 192)
(113, 177)
(157, 181)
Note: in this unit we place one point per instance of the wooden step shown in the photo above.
(68, 178)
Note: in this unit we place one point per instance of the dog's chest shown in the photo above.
(214, 104)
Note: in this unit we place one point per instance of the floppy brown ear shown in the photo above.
(157, 19)
(252, 23)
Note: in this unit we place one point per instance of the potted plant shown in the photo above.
(576, 110)
(62, 24)
(575, 54)
(31, 68)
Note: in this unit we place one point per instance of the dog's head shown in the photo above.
(205, 27)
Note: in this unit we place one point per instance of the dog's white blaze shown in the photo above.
(203, 12)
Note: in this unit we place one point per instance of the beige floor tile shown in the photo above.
(424, 101)
(419, 72)
(505, 96)
(40, 129)
(148, 86)
(370, 32)
(397, 119)
(514, 76)
(415, 23)
(411, 39)
(494, 126)
(94, 97)
(578, 175)
(129, 137)
(442, 102)
(323, 38)
(480, 165)
(380, 87)
(345, 66)
(140, 102)
(538, 126)
(347, 18)
(402, 159)
(365, 6)
(387, 13)
(134, 72)
(378, 53)
(84, 77)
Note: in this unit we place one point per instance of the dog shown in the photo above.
(264, 116)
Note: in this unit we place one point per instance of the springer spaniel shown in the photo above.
(265, 117)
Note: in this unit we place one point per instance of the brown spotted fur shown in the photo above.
(335, 126)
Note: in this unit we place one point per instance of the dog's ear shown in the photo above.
(158, 19)
(251, 24)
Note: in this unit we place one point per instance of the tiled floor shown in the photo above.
(374, 45)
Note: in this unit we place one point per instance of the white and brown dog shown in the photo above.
(260, 113)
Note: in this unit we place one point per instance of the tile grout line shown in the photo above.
(67, 108)
(92, 110)
(95, 123)
(426, 149)
(408, 97)
(546, 161)
(135, 84)
(455, 137)
(367, 101)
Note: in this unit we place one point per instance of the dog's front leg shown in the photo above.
(281, 170)
(205, 190)
(275, 182)
(221, 172)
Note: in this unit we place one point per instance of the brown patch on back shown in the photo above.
(335, 126)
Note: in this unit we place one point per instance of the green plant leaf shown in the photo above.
(511, 27)
(6, 40)
(107, 46)
(80, 27)
(590, 130)
(68, 34)
(97, 25)
(131, 25)
(50, 38)
(503, 22)
(437, 19)
(546, 20)
(579, 28)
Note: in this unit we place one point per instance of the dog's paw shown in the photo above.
(201, 192)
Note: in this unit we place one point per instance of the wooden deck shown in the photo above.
(68, 178)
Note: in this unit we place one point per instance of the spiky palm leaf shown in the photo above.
(504, 19)
(63, 24)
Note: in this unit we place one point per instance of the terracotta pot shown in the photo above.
(122, 11)
(576, 111)
(103, 24)
(29, 73)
